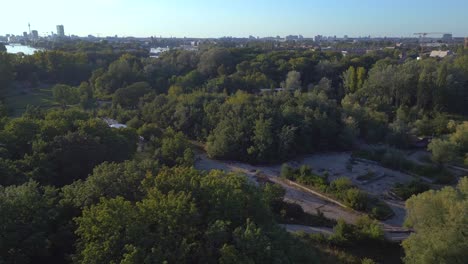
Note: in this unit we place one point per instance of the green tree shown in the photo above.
(128, 97)
(443, 151)
(214, 59)
(293, 80)
(350, 81)
(86, 93)
(109, 180)
(425, 90)
(6, 71)
(440, 221)
(263, 139)
(460, 137)
(187, 216)
(26, 223)
(360, 77)
(65, 95)
(19, 135)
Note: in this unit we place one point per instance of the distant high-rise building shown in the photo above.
(34, 34)
(466, 43)
(60, 31)
(25, 34)
(447, 37)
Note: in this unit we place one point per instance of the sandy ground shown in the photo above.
(336, 166)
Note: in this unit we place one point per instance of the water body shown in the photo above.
(17, 48)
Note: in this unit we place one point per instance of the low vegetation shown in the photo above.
(362, 243)
(291, 213)
(395, 159)
(405, 191)
(341, 189)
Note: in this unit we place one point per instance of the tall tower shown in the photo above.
(60, 31)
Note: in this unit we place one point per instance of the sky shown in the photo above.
(238, 18)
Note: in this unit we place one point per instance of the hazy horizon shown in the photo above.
(212, 19)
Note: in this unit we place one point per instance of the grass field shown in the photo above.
(18, 100)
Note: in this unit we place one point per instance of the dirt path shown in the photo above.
(309, 230)
(392, 236)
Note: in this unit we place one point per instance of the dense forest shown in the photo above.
(75, 190)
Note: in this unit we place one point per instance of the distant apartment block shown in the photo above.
(60, 31)
(34, 34)
(447, 37)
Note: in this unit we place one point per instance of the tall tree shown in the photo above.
(263, 139)
(6, 72)
(350, 80)
(293, 80)
(440, 220)
(26, 223)
(65, 95)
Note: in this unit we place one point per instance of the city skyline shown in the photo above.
(209, 18)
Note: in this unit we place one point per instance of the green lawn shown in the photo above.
(18, 100)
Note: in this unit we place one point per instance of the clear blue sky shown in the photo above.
(215, 18)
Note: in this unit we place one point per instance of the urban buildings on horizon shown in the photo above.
(33, 35)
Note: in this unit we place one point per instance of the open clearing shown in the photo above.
(337, 165)
(20, 98)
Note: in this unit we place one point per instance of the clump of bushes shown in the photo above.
(395, 159)
(365, 230)
(361, 243)
(342, 189)
(405, 191)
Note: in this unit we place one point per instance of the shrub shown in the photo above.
(341, 184)
(287, 172)
(378, 209)
(369, 229)
(356, 199)
(405, 191)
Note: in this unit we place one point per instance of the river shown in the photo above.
(17, 48)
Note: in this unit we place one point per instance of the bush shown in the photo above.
(356, 199)
(438, 173)
(341, 184)
(378, 209)
(369, 229)
(405, 191)
(395, 159)
(343, 233)
(287, 172)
